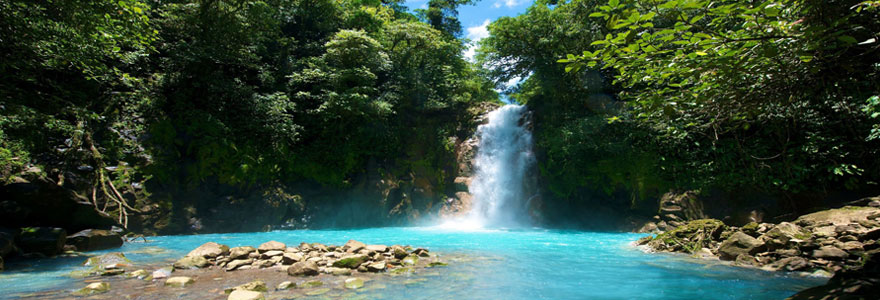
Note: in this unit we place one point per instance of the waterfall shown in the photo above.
(503, 168)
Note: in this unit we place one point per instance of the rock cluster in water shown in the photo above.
(305, 259)
(836, 241)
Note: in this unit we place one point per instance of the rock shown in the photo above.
(245, 295)
(140, 274)
(93, 288)
(781, 234)
(354, 283)
(461, 183)
(179, 281)
(351, 261)
(285, 286)
(319, 247)
(353, 246)
(376, 267)
(106, 259)
(318, 292)
(253, 286)
(312, 283)
(272, 246)
(437, 264)
(790, 264)
(398, 252)
(95, 239)
(305, 247)
(683, 238)
(829, 252)
(45, 240)
(746, 260)
(337, 271)
(421, 252)
(238, 263)
(290, 258)
(649, 227)
(162, 273)
(851, 246)
(241, 252)
(209, 250)
(112, 272)
(705, 253)
(269, 254)
(303, 268)
(411, 260)
(840, 216)
(7, 241)
(191, 262)
(377, 248)
(739, 243)
(263, 263)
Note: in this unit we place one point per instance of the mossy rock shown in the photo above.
(354, 283)
(106, 259)
(93, 288)
(402, 271)
(317, 292)
(437, 264)
(311, 284)
(689, 237)
(411, 260)
(351, 262)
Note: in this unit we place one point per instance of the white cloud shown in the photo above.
(475, 34)
(508, 3)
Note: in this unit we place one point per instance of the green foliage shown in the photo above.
(764, 94)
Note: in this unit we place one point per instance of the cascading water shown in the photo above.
(502, 169)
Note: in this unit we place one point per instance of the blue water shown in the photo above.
(497, 264)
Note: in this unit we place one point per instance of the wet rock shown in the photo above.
(739, 243)
(303, 268)
(179, 281)
(139, 274)
(162, 273)
(241, 252)
(94, 239)
(312, 283)
(44, 240)
(318, 292)
(209, 250)
(272, 246)
(351, 261)
(337, 271)
(411, 260)
(191, 262)
(693, 235)
(353, 246)
(254, 286)
(285, 286)
(112, 272)
(376, 267)
(746, 260)
(238, 263)
(354, 283)
(93, 288)
(106, 259)
(829, 252)
(245, 295)
(398, 252)
(421, 252)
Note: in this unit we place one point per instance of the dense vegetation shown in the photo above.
(143, 102)
(770, 97)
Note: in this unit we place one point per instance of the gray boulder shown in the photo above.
(739, 243)
(830, 252)
(209, 250)
(303, 268)
(95, 239)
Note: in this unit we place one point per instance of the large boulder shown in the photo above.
(45, 240)
(861, 282)
(839, 216)
(830, 252)
(95, 239)
(780, 235)
(693, 235)
(353, 246)
(209, 250)
(303, 268)
(106, 259)
(737, 244)
(241, 252)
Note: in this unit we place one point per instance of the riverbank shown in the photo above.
(837, 242)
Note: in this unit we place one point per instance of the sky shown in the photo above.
(475, 18)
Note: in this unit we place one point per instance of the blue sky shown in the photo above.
(475, 18)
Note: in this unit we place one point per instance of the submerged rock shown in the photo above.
(162, 273)
(253, 286)
(354, 283)
(318, 292)
(179, 281)
(285, 286)
(107, 259)
(245, 295)
(93, 288)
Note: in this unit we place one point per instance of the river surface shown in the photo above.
(483, 264)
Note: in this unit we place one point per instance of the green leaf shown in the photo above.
(847, 39)
(613, 3)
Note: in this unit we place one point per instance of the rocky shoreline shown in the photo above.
(271, 271)
(840, 242)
